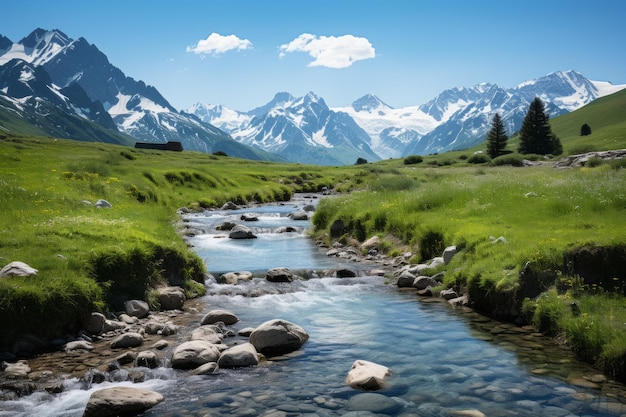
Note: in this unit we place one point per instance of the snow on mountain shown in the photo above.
(299, 129)
(120, 101)
(220, 116)
(390, 129)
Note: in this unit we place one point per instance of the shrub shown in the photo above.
(431, 244)
(413, 159)
(594, 162)
(515, 160)
(479, 158)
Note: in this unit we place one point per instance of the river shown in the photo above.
(445, 361)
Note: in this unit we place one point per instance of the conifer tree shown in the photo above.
(585, 130)
(536, 134)
(496, 138)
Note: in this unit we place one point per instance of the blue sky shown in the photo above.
(405, 52)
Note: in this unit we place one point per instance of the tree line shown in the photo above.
(536, 136)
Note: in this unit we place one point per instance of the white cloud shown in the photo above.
(331, 51)
(217, 44)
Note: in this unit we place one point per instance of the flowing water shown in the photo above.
(444, 361)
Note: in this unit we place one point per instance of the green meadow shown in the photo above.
(517, 228)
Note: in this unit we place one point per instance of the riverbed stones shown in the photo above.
(171, 298)
(78, 345)
(17, 370)
(371, 243)
(206, 369)
(278, 336)
(215, 316)
(234, 278)
(208, 333)
(346, 273)
(126, 340)
(249, 217)
(94, 323)
(406, 280)
(367, 375)
(17, 269)
(239, 356)
(190, 355)
(423, 282)
(280, 274)
(229, 205)
(136, 308)
(117, 401)
(241, 232)
(148, 359)
(374, 403)
(298, 215)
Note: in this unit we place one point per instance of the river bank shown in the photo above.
(256, 299)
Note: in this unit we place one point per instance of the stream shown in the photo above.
(445, 361)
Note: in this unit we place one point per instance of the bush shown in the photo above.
(479, 158)
(413, 159)
(594, 162)
(515, 160)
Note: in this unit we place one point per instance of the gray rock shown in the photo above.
(103, 204)
(78, 345)
(346, 273)
(190, 355)
(17, 269)
(206, 369)
(298, 215)
(278, 336)
(216, 316)
(136, 308)
(285, 229)
(233, 278)
(249, 217)
(279, 275)
(126, 319)
(229, 205)
(371, 243)
(448, 253)
(171, 298)
(117, 401)
(94, 323)
(164, 329)
(406, 280)
(241, 232)
(245, 332)
(148, 359)
(208, 334)
(225, 226)
(126, 340)
(17, 370)
(374, 402)
(448, 294)
(112, 325)
(422, 282)
(367, 375)
(239, 356)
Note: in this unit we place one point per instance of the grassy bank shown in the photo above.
(520, 231)
(93, 258)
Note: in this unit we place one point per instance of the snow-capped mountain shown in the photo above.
(135, 108)
(390, 130)
(465, 114)
(299, 129)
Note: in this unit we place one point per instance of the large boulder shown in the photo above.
(233, 278)
(239, 356)
(278, 336)
(241, 232)
(406, 280)
(136, 308)
(448, 253)
(281, 274)
(171, 298)
(126, 340)
(422, 282)
(367, 375)
(94, 323)
(371, 243)
(215, 316)
(190, 355)
(17, 269)
(118, 401)
(148, 359)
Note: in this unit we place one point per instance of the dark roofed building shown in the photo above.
(167, 146)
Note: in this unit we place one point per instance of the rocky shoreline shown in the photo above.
(132, 345)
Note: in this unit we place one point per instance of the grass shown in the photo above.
(93, 258)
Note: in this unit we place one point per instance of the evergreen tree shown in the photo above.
(536, 134)
(496, 138)
(585, 130)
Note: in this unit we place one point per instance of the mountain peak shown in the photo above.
(37, 36)
(369, 102)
